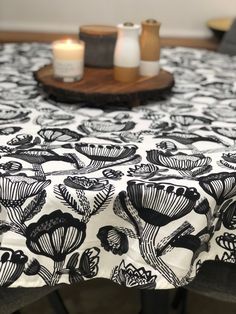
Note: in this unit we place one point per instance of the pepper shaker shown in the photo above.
(150, 48)
(127, 53)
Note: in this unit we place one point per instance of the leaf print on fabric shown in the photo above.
(130, 276)
(103, 199)
(34, 207)
(64, 195)
(12, 264)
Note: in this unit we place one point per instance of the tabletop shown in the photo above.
(142, 197)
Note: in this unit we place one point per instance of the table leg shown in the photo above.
(57, 303)
(154, 301)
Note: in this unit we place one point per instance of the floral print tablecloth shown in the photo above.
(142, 197)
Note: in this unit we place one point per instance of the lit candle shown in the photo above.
(68, 60)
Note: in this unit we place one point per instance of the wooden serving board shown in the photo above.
(99, 88)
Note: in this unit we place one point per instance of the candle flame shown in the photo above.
(69, 41)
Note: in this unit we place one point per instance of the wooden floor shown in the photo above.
(103, 297)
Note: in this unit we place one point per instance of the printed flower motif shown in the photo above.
(11, 266)
(112, 174)
(83, 183)
(14, 190)
(106, 126)
(131, 277)
(11, 166)
(223, 113)
(167, 145)
(143, 171)
(230, 157)
(160, 203)
(9, 130)
(152, 115)
(128, 137)
(179, 161)
(87, 267)
(112, 239)
(38, 156)
(229, 216)
(60, 135)
(220, 186)
(9, 114)
(55, 235)
(186, 138)
(5, 149)
(227, 241)
(20, 139)
(106, 152)
(162, 126)
(228, 132)
(187, 120)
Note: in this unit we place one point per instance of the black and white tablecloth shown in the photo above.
(141, 197)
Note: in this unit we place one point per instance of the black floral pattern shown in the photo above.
(11, 265)
(141, 196)
(220, 186)
(129, 276)
(114, 240)
(160, 203)
(55, 235)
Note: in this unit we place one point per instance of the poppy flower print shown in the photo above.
(160, 203)
(140, 195)
(12, 264)
(55, 235)
(114, 240)
(129, 276)
(221, 186)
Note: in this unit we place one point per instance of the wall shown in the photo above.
(181, 18)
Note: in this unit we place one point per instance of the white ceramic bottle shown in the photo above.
(150, 48)
(127, 53)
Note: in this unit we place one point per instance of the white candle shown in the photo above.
(68, 60)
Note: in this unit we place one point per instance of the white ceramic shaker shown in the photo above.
(127, 53)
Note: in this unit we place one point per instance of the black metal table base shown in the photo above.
(158, 301)
(154, 301)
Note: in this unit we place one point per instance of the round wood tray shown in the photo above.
(99, 88)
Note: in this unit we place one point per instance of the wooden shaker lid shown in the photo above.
(98, 30)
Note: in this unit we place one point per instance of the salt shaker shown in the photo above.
(127, 53)
(150, 48)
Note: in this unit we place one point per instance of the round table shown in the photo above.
(142, 197)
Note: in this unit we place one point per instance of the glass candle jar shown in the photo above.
(68, 60)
